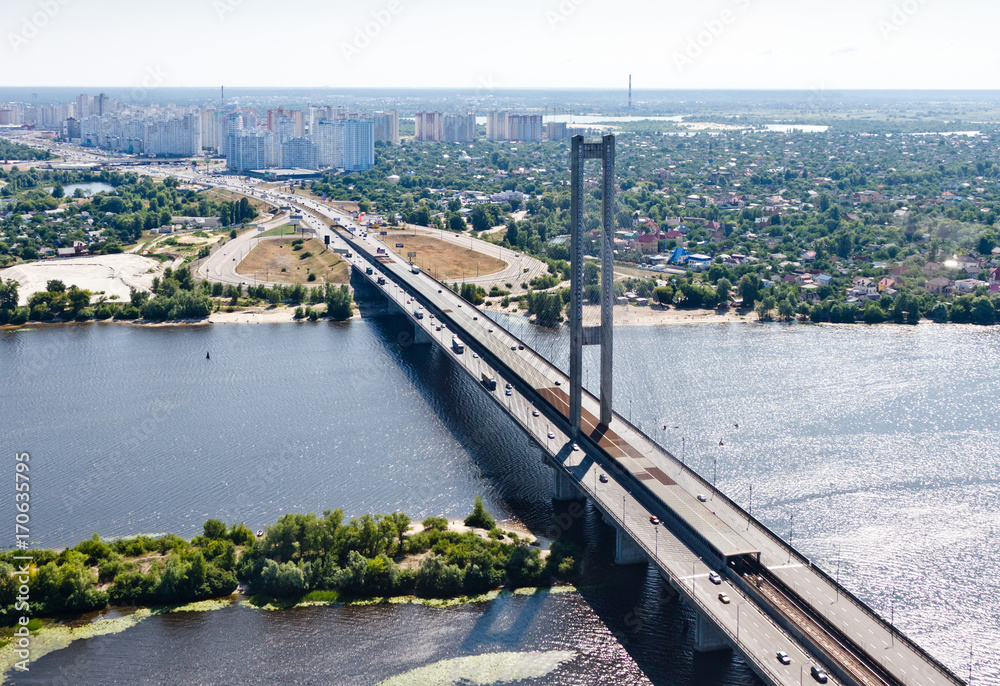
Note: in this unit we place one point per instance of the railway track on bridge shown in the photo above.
(838, 649)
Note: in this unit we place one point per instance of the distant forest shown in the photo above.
(16, 151)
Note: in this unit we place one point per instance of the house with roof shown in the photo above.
(966, 286)
(938, 286)
(699, 262)
(679, 256)
(885, 283)
(970, 264)
(647, 243)
(995, 281)
(932, 268)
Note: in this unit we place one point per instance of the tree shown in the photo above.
(55, 286)
(722, 288)
(214, 530)
(456, 223)
(480, 517)
(786, 310)
(8, 295)
(749, 289)
(338, 303)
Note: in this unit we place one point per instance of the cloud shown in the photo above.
(845, 50)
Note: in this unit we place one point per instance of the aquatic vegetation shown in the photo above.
(488, 668)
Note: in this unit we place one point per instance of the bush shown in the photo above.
(526, 568)
(84, 314)
(480, 518)
(435, 524)
(214, 530)
(438, 579)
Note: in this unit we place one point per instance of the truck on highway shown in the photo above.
(457, 345)
(489, 382)
(381, 281)
(369, 271)
(415, 269)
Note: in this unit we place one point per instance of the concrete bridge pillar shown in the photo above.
(707, 638)
(626, 551)
(420, 337)
(564, 487)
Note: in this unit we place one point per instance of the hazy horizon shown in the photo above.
(725, 45)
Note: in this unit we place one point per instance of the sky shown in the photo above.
(497, 44)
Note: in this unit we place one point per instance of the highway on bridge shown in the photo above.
(645, 480)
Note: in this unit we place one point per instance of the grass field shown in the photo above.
(283, 230)
(445, 261)
(267, 259)
(231, 196)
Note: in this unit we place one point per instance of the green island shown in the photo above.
(302, 558)
(175, 296)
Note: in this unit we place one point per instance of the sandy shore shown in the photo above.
(254, 315)
(631, 315)
(112, 274)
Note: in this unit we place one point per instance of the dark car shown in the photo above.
(818, 674)
(604, 478)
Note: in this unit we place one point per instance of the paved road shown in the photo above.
(755, 634)
(907, 664)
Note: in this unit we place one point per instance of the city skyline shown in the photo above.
(744, 44)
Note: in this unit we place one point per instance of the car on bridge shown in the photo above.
(653, 519)
(714, 578)
(724, 599)
(783, 657)
(818, 674)
(604, 478)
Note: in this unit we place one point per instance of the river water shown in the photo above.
(875, 448)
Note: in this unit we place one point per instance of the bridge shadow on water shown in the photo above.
(632, 602)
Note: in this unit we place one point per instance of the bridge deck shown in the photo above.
(722, 524)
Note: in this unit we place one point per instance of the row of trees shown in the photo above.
(304, 553)
(136, 571)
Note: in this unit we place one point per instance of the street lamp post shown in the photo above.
(838, 572)
(738, 620)
(790, 525)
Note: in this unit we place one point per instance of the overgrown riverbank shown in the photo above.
(378, 556)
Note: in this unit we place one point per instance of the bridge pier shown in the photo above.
(563, 487)
(420, 337)
(707, 638)
(626, 551)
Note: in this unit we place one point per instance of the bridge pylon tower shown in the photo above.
(581, 335)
